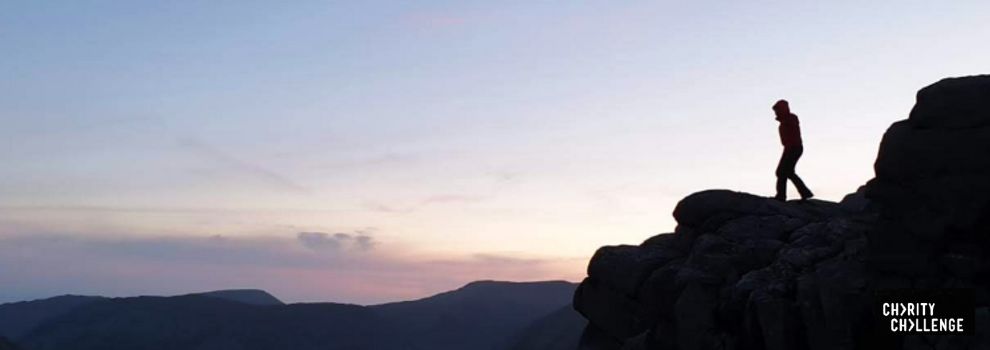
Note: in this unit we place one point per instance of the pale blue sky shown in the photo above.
(501, 139)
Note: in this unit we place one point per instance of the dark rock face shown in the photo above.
(740, 271)
(931, 179)
(747, 272)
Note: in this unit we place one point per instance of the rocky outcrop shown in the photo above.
(740, 271)
(748, 272)
(933, 181)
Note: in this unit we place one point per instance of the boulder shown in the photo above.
(954, 103)
(931, 189)
(699, 207)
(625, 267)
(618, 315)
(734, 276)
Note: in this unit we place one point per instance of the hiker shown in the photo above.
(790, 138)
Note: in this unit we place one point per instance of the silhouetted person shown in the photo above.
(790, 137)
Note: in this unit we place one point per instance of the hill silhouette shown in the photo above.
(16, 319)
(560, 330)
(481, 315)
(247, 296)
(202, 322)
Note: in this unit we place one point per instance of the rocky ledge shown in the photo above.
(747, 272)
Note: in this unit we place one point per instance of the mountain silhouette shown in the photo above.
(203, 322)
(560, 330)
(480, 315)
(16, 319)
(247, 296)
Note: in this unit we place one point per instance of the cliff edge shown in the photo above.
(747, 272)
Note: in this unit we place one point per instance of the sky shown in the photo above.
(373, 151)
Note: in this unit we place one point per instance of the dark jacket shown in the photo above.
(790, 130)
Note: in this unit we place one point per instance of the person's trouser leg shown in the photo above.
(785, 171)
(792, 174)
(781, 188)
(802, 189)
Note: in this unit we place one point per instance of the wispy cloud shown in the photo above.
(242, 167)
(440, 199)
(321, 241)
(376, 160)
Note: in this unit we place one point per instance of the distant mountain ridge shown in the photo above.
(559, 330)
(480, 315)
(247, 296)
(204, 322)
(16, 319)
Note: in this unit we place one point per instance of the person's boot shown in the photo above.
(780, 197)
(806, 194)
